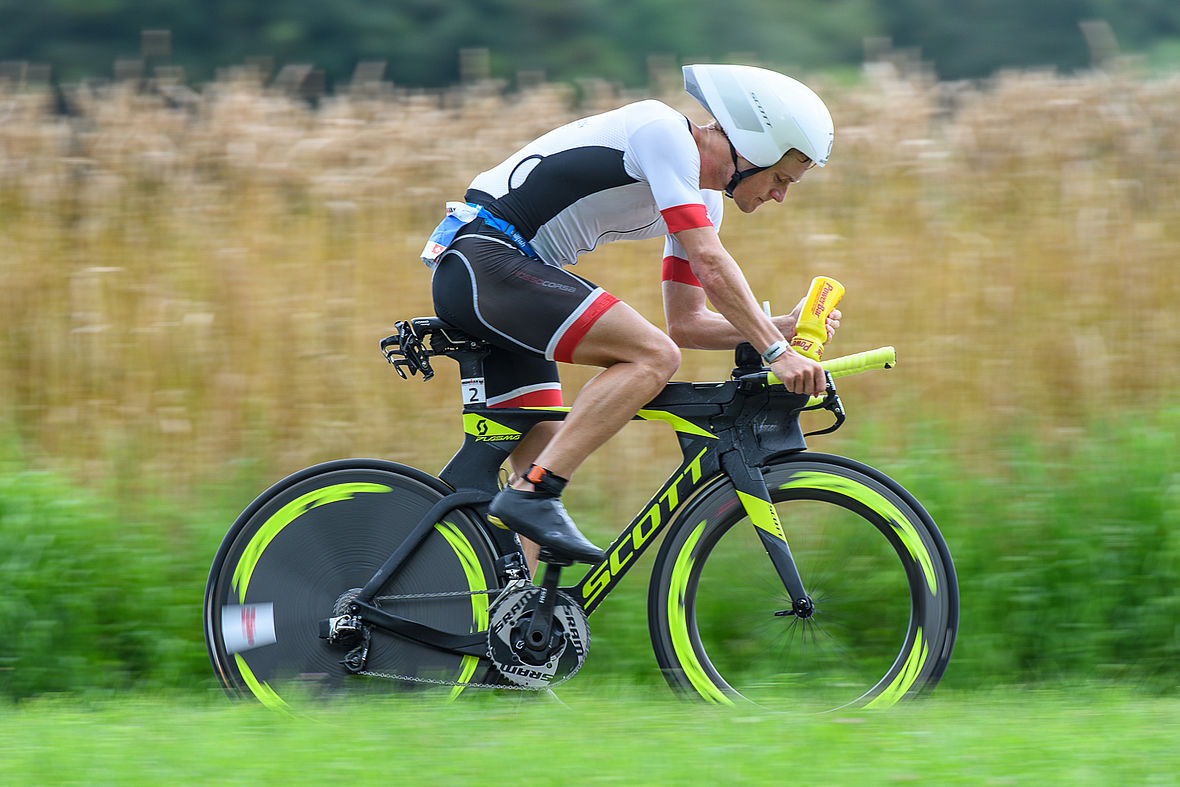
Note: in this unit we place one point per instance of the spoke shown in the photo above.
(836, 643)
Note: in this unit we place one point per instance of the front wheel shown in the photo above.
(871, 559)
(293, 557)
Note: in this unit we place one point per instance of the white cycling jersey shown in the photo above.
(633, 172)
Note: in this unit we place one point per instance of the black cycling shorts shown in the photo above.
(533, 314)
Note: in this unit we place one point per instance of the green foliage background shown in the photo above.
(1068, 566)
(420, 40)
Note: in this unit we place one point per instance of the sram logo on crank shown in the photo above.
(536, 665)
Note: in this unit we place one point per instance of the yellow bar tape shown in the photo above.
(880, 358)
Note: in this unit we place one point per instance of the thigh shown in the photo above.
(623, 335)
(513, 379)
(490, 288)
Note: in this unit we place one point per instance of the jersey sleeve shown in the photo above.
(676, 267)
(661, 151)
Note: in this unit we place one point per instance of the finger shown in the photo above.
(833, 322)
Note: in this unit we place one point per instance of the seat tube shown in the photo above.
(755, 499)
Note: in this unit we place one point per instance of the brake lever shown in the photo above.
(831, 402)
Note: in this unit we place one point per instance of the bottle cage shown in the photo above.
(407, 344)
(420, 338)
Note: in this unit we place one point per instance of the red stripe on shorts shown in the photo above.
(548, 397)
(576, 332)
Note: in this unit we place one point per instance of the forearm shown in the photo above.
(708, 330)
(726, 288)
(738, 316)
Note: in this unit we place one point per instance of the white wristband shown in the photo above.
(771, 353)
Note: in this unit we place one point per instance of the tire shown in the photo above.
(311, 538)
(871, 559)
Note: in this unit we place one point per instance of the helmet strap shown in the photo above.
(738, 176)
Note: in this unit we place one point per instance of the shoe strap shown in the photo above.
(545, 481)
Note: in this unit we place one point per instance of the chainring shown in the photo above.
(508, 619)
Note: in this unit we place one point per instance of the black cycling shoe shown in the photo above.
(541, 517)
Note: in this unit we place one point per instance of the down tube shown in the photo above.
(700, 462)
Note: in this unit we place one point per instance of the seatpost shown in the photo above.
(471, 376)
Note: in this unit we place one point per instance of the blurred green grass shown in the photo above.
(1090, 735)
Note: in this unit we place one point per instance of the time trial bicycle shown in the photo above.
(781, 573)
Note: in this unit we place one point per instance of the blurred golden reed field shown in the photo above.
(190, 281)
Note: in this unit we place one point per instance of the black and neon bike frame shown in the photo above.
(725, 430)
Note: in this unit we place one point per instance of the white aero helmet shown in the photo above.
(763, 113)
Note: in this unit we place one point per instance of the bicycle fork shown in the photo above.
(755, 499)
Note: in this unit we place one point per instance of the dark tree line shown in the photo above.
(420, 40)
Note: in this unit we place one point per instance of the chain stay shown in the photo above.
(437, 681)
(519, 585)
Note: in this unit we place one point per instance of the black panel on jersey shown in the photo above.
(557, 182)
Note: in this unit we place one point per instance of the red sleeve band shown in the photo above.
(685, 217)
(677, 269)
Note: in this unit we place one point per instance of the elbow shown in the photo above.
(680, 336)
(682, 332)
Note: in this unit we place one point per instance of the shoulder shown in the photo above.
(655, 130)
(650, 111)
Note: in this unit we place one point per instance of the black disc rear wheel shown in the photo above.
(293, 557)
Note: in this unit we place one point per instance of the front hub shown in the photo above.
(803, 608)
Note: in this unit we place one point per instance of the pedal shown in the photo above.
(551, 558)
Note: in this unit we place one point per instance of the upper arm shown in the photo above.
(705, 254)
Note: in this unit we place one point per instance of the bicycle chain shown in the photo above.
(438, 682)
(440, 594)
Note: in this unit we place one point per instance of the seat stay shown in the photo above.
(432, 517)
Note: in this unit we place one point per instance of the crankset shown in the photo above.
(530, 659)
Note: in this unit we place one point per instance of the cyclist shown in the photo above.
(641, 171)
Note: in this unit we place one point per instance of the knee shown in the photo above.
(662, 357)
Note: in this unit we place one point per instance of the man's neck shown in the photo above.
(716, 160)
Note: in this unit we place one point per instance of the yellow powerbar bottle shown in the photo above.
(812, 330)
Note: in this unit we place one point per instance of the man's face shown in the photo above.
(772, 183)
